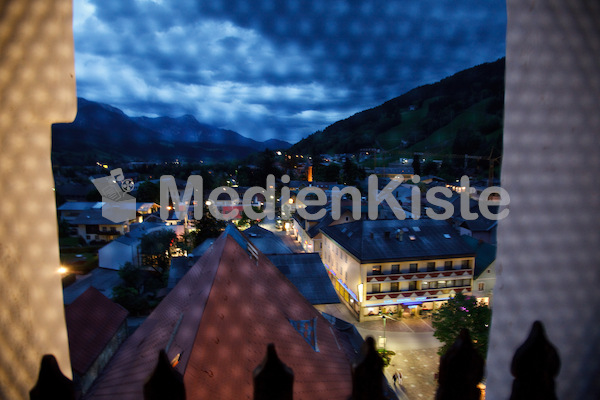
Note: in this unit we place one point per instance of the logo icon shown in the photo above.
(118, 206)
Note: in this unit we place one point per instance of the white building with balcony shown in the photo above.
(396, 266)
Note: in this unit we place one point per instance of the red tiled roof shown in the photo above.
(232, 308)
(124, 376)
(251, 307)
(92, 321)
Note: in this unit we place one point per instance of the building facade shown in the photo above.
(396, 267)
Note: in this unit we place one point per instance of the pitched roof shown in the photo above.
(266, 241)
(127, 240)
(307, 272)
(92, 321)
(375, 240)
(93, 217)
(80, 205)
(485, 254)
(481, 223)
(219, 319)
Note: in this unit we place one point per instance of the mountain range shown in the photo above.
(101, 131)
(461, 114)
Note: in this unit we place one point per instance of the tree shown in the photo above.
(430, 168)
(63, 228)
(416, 164)
(131, 299)
(351, 172)
(148, 192)
(206, 228)
(245, 221)
(131, 276)
(156, 249)
(462, 312)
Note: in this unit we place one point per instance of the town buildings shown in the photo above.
(215, 326)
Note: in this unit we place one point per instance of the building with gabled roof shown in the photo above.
(308, 232)
(396, 266)
(96, 327)
(216, 323)
(71, 209)
(92, 226)
(484, 275)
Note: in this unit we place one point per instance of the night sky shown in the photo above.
(275, 68)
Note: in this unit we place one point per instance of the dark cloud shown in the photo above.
(270, 68)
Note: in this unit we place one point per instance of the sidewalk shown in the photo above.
(418, 368)
(414, 344)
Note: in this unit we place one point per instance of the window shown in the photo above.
(481, 287)
(425, 285)
(376, 288)
(431, 266)
(412, 285)
(376, 270)
(433, 285)
(447, 265)
(395, 268)
(413, 267)
(394, 287)
(441, 284)
(466, 264)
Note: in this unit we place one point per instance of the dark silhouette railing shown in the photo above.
(535, 365)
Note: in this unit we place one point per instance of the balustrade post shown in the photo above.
(273, 380)
(165, 383)
(461, 370)
(367, 373)
(535, 365)
(52, 384)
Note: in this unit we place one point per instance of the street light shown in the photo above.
(385, 318)
(384, 324)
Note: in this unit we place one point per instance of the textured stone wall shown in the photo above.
(548, 265)
(37, 88)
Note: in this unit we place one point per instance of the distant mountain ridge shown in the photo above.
(101, 129)
(461, 114)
